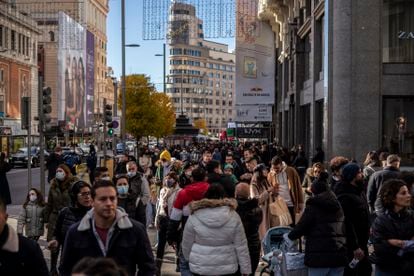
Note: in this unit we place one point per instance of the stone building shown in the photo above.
(344, 74)
(201, 72)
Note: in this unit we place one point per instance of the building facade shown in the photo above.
(344, 74)
(201, 73)
(18, 74)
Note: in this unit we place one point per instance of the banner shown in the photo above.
(71, 73)
(255, 58)
(253, 113)
(252, 132)
(90, 78)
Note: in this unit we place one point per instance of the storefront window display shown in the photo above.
(398, 31)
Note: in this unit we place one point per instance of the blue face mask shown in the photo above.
(122, 190)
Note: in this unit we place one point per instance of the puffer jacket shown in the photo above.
(214, 241)
(323, 225)
(67, 217)
(391, 225)
(32, 218)
(59, 198)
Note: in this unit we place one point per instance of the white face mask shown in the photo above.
(60, 175)
(131, 174)
(32, 198)
(106, 178)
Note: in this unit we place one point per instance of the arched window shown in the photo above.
(52, 36)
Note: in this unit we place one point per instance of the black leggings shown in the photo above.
(162, 236)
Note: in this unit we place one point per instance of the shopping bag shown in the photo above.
(279, 213)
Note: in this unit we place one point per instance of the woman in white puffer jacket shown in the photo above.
(214, 241)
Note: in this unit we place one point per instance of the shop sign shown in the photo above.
(405, 35)
(5, 131)
(252, 132)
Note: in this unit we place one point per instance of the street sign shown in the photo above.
(116, 120)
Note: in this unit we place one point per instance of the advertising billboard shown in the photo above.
(72, 95)
(255, 57)
(90, 77)
(253, 113)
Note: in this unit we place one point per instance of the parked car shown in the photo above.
(20, 158)
(120, 148)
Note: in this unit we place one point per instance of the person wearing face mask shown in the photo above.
(32, 215)
(58, 198)
(351, 196)
(163, 166)
(139, 191)
(166, 200)
(52, 162)
(185, 176)
(125, 200)
(80, 196)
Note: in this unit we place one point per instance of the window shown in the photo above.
(1, 36)
(217, 102)
(52, 36)
(13, 40)
(398, 31)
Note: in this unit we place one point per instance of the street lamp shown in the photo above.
(164, 76)
(123, 46)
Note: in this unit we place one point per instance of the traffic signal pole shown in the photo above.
(104, 131)
(41, 137)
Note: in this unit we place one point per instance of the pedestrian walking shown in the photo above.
(311, 174)
(350, 193)
(323, 226)
(139, 191)
(91, 162)
(251, 216)
(80, 196)
(18, 255)
(214, 241)
(52, 163)
(393, 232)
(106, 231)
(4, 183)
(58, 198)
(32, 215)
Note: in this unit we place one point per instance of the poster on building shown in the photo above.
(253, 113)
(255, 57)
(90, 77)
(71, 73)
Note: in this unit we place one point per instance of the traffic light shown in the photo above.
(108, 118)
(46, 107)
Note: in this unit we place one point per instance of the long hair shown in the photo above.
(40, 200)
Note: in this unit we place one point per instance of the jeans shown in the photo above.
(378, 272)
(184, 265)
(325, 271)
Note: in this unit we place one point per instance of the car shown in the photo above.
(20, 158)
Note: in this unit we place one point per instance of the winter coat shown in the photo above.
(19, 255)
(181, 208)
(59, 198)
(33, 218)
(251, 216)
(295, 187)
(4, 183)
(166, 202)
(214, 241)
(387, 226)
(307, 183)
(264, 198)
(67, 217)
(52, 163)
(323, 225)
(128, 245)
(357, 219)
(374, 186)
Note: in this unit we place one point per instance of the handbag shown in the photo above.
(279, 213)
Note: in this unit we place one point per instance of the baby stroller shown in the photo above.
(273, 240)
(282, 259)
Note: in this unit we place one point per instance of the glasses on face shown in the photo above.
(85, 194)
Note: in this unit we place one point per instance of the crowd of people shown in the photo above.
(213, 204)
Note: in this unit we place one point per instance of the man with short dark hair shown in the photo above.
(207, 157)
(101, 173)
(18, 255)
(52, 162)
(237, 170)
(106, 231)
(138, 191)
(215, 176)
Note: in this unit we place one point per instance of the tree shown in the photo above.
(201, 124)
(148, 113)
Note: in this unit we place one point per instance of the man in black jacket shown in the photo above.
(391, 171)
(105, 231)
(354, 203)
(18, 255)
(251, 215)
(215, 175)
(52, 162)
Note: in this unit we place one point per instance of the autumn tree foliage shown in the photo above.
(148, 113)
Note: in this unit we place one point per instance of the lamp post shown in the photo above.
(164, 75)
(123, 46)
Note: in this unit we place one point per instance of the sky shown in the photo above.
(141, 60)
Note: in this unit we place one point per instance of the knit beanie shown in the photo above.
(349, 171)
(165, 155)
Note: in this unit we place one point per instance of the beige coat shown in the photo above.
(295, 187)
(265, 198)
